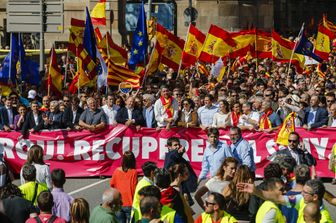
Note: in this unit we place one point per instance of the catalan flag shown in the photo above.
(55, 76)
(172, 47)
(217, 44)
(98, 14)
(108, 48)
(118, 74)
(193, 46)
(321, 70)
(329, 25)
(282, 50)
(323, 42)
(288, 126)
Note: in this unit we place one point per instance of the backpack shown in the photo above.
(51, 219)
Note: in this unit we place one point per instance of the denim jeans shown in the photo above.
(124, 215)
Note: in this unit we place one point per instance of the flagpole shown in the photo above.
(66, 67)
(108, 60)
(50, 62)
(78, 72)
(295, 44)
(10, 58)
(20, 87)
(256, 49)
(150, 59)
(185, 41)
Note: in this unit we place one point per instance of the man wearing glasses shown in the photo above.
(214, 210)
(297, 151)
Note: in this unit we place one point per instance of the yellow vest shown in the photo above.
(135, 213)
(267, 206)
(227, 218)
(28, 190)
(167, 214)
(325, 216)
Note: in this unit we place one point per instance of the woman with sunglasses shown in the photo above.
(187, 116)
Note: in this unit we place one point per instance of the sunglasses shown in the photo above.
(66, 100)
(268, 95)
(330, 101)
(289, 140)
(185, 103)
(207, 203)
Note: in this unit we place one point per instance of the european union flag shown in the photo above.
(89, 39)
(305, 47)
(29, 69)
(8, 72)
(140, 40)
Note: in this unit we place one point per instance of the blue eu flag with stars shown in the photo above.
(140, 41)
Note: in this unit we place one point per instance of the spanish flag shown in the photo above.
(288, 126)
(193, 46)
(323, 42)
(76, 35)
(98, 14)
(329, 25)
(55, 76)
(282, 50)
(154, 60)
(108, 48)
(80, 79)
(245, 41)
(118, 74)
(172, 47)
(263, 45)
(217, 44)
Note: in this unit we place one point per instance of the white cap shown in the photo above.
(32, 94)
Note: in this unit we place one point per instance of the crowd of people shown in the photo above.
(289, 191)
(253, 96)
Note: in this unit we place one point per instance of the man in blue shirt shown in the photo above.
(214, 154)
(241, 149)
(206, 112)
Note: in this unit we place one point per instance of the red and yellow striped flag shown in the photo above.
(288, 126)
(118, 74)
(172, 47)
(193, 46)
(98, 14)
(55, 76)
(217, 44)
(117, 54)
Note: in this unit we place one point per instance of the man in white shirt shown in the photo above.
(165, 109)
(249, 119)
(110, 110)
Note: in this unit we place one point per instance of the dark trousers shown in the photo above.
(124, 215)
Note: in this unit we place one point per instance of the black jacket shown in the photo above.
(30, 123)
(122, 116)
(304, 156)
(68, 117)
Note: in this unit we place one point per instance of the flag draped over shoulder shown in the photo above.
(109, 49)
(118, 74)
(98, 14)
(55, 76)
(172, 47)
(217, 44)
(282, 50)
(193, 46)
(140, 41)
(288, 126)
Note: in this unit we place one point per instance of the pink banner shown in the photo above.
(84, 153)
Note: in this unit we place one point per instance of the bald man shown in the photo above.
(130, 115)
(111, 203)
(312, 213)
